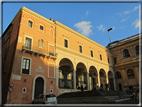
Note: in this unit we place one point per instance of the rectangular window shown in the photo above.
(115, 60)
(66, 43)
(30, 23)
(108, 60)
(100, 57)
(80, 48)
(26, 66)
(28, 43)
(91, 53)
(41, 27)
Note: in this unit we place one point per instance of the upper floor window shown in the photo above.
(80, 48)
(41, 27)
(41, 43)
(30, 23)
(118, 75)
(115, 60)
(126, 53)
(100, 57)
(26, 66)
(137, 49)
(108, 60)
(66, 43)
(91, 53)
(28, 42)
(130, 74)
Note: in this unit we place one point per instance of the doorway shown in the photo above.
(39, 86)
(111, 84)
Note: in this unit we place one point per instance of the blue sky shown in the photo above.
(90, 19)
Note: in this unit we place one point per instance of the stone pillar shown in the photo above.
(74, 78)
(88, 82)
(99, 80)
(136, 73)
(115, 83)
(107, 78)
(124, 77)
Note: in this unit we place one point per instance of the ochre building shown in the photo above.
(45, 56)
(127, 56)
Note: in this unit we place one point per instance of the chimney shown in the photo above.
(51, 19)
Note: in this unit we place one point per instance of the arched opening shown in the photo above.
(118, 75)
(111, 83)
(137, 49)
(126, 53)
(102, 78)
(39, 86)
(81, 76)
(93, 77)
(130, 74)
(65, 74)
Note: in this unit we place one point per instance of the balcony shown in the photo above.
(38, 52)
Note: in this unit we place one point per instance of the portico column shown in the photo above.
(74, 78)
(98, 80)
(88, 82)
(107, 79)
(114, 83)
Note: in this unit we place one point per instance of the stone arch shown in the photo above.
(110, 74)
(102, 75)
(81, 76)
(34, 82)
(93, 77)
(111, 81)
(65, 74)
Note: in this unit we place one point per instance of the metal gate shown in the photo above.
(39, 86)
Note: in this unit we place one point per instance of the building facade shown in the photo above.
(45, 56)
(28, 58)
(81, 62)
(127, 56)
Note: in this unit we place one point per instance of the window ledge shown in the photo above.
(25, 74)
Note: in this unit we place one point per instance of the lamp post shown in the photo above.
(114, 62)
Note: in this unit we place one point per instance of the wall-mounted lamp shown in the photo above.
(25, 80)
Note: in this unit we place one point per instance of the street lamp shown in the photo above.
(114, 63)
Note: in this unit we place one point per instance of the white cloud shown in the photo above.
(136, 8)
(127, 12)
(123, 20)
(87, 12)
(101, 27)
(119, 14)
(136, 23)
(84, 27)
(122, 27)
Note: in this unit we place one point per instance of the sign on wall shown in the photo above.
(15, 77)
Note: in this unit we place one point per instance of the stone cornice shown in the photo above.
(126, 41)
(80, 35)
(37, 15)
(58, 47)
(127, 63)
